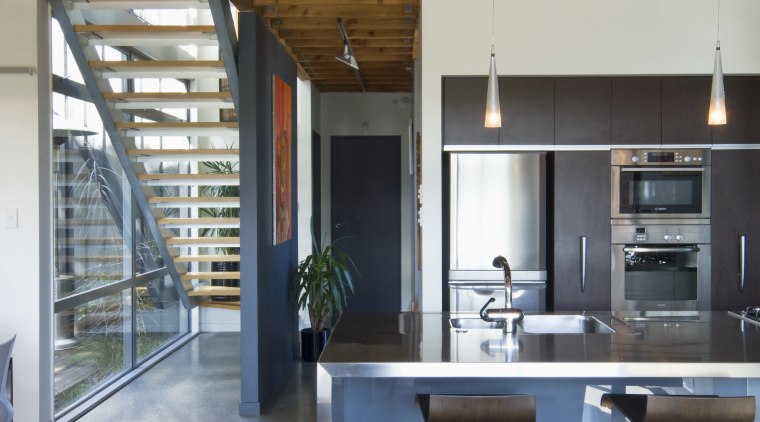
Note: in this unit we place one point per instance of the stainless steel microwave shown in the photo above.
(660, 184)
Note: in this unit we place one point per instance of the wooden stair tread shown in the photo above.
(199, 221)
(159, 199)
(143, 96)
(207, 275)
(206, 290)
(133, 4)
(135, 64)
(145, 28)
(174, 176)
(183, 151)
(231, 305)
(173, 125)
(201, 240)
(207, 258)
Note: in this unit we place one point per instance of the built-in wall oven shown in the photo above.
(660, 184)
(660, 212)
(660, 267)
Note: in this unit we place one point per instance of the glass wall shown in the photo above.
(115, 304)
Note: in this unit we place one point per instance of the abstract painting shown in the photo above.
(282, 158)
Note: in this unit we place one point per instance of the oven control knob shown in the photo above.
(687, 158)
(667, 237)
(679, 237)
(635, 158)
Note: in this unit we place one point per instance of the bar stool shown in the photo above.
(463, 408)
(650, 408)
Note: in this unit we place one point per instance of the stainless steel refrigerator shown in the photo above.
(497, 207)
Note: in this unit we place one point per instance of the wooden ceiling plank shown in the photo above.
(335, 11)
(329, 24)
(355, 34)
(262, 3)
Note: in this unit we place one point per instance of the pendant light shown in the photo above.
(493, 110)
(717, 113)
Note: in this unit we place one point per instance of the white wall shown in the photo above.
(569, 37)
(343, 114)
(25, 252)
(303, 164)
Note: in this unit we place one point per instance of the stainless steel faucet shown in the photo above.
(501, 262)
(511, 316)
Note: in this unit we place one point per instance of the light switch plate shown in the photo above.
(11, 218)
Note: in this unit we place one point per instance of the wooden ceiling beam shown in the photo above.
(353, 35)
(358, 51)
(335, 11)
(337, 44)
(414, 3)
(329, 24)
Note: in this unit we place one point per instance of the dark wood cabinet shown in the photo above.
(742, 112)
(582, 111)
(581, 196)
(636, 111)
(464, 107)
(685, 102)
(527, 111)
(734, 209)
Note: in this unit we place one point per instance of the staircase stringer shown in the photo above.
(228, 43)
(96, 87)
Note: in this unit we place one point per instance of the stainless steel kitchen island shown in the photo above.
(375, 364)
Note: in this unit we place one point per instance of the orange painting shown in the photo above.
(282, 183)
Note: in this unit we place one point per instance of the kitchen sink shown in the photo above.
(563, 324)
(539, 324)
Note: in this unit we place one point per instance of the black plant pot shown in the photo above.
(311, 345)
(225, 267)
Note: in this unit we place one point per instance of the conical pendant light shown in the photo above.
(493, 110)
(717, 113)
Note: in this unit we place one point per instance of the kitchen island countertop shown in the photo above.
(705, 344)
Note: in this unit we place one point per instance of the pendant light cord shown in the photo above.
(718, 37)
(493, 8)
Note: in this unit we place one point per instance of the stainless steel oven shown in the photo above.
(660, 184)
(660, 267)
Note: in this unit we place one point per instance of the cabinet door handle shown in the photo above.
(742, 261)
(583, 263)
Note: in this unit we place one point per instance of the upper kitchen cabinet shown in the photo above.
(581, 264)
(527, 111)
(464, 106)
(636, 111)
(582, 107)
(735, 229)
(685, 101)
(742, 112)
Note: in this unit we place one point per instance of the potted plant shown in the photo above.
(222, 167)
(321, 285)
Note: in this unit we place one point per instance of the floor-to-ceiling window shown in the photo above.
(115, 304)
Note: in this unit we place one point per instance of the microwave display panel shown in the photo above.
(664, 192)
(661, 157)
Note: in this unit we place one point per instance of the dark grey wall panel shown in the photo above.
(582, 111)
(685, 102)
(636, 111)
(464, 108)
(268, 323)
(527, 111)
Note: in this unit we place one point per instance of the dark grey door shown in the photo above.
(581, 209)
(366, 212)
(735, 201)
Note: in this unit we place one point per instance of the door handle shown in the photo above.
(584, 240)
(742, 261)
(340, 226)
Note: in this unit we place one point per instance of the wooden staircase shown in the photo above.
(177, 199)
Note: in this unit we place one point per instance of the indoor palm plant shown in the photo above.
(222, 167)
(321, 285)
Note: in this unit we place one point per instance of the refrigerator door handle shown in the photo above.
(583, 263)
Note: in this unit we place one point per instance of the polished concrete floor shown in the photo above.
(201, 382)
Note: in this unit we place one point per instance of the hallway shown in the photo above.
(201, 382)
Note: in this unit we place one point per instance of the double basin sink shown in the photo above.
(548, 324)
